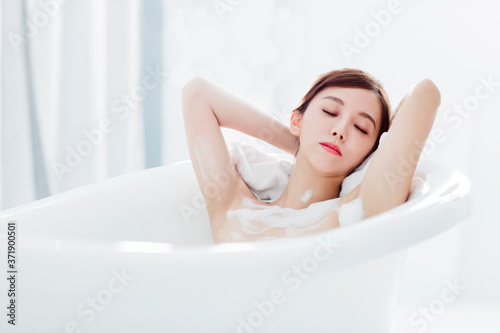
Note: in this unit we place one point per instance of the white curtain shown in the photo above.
(74, 61)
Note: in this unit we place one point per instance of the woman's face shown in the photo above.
(349, 118)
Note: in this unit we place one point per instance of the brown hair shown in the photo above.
(350, 78)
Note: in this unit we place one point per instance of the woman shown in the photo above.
(337, 125)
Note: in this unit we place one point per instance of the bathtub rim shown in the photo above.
(450, 202)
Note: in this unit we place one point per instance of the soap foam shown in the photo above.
(351, 212)
(307, 196)
(257, 219)
(205, 158)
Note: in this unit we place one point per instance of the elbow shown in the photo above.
(192, 89)
(194, 82)
(429, 91)
(194, 85)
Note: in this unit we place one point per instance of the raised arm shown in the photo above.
(388, 178)
(207, 107)
(235, 113)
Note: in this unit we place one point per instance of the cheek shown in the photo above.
(314, 133)
(362, 147)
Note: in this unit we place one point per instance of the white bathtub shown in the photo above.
(118, 256)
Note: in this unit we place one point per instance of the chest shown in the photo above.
(249, 219)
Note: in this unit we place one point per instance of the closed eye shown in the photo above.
(362, 130)
(331, 114)
(334, 115)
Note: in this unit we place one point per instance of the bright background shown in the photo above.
(81, 61)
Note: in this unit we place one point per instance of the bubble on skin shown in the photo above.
(257, 219)
(307, 196)
(351, 212)
(237, 237)
(208, 167)
(204, 156)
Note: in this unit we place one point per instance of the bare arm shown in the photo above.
(388, 178)
(235, 113)
(401, 102)
(206, 107)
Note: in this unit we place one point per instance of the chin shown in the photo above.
(327, 168)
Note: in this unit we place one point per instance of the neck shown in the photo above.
(307, 186)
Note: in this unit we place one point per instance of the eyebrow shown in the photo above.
(362, 113)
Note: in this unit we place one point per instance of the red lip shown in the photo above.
(330, 147)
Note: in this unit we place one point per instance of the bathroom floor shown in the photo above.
(455, 318)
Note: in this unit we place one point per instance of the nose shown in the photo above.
(336, 133)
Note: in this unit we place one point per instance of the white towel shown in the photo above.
(267, 174)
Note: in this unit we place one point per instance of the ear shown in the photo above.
(295, 122)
